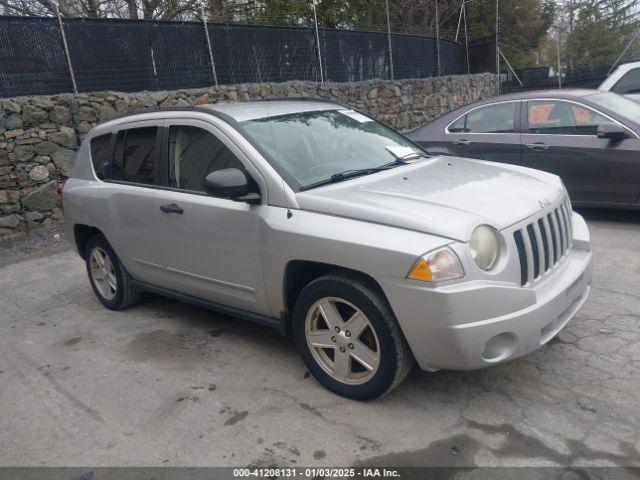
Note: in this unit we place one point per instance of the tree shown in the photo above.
(68, 8)
(524, 26)
(597, 31)
(147, 9)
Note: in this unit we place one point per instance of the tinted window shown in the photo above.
(100, 154)
(116, 164)
(459, 125)
(498, 118)
(193, 154)
(135, 156)
(629, 83)
(563, 118)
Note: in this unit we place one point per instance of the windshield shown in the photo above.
(310, 147)
(617, 103)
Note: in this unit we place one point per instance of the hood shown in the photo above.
(445, 196)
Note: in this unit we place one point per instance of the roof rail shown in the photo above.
(158, 108)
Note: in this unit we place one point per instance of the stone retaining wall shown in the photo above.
(39, 135)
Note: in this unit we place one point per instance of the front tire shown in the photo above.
(110, 281)
(349, 339)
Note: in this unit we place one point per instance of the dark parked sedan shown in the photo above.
(589, 138)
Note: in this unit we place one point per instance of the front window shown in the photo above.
(310, 147)
(498, 118)
(193, 154)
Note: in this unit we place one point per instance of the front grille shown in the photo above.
(543, 243)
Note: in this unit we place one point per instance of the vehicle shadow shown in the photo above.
(609, 215)
(197, 328)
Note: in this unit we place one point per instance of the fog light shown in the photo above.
(500, 347)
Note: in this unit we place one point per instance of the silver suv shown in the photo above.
(315, 219)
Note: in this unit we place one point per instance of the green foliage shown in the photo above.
(524, 22)
(523, 27)
(596, 31)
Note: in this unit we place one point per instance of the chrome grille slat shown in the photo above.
(543, 242)
(556, 237)
(529, 253)
(565, 218)
(541, 250)
(549, 245)
(562, 232)
(535, 250)
(569, 212)
(522, 256)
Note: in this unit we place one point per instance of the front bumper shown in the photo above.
(475, 324)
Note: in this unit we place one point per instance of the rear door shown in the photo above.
(488, 132)
(561, 138)
(124, 205)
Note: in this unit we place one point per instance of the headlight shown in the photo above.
(436, 266)
(485, 246)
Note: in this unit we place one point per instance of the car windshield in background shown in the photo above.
(617, 103)
(312, 147)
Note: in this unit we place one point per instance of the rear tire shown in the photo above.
(349, 339)
(110, 281)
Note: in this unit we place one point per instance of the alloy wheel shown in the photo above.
(342, 340)
(103, 273)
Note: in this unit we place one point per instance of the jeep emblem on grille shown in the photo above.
(545, 203)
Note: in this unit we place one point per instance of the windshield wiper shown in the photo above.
(347, 174)
(402, 160)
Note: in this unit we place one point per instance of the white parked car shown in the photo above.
(625, 80)
(317, 220)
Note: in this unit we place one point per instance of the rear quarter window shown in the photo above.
(135, 156)
(100, 154)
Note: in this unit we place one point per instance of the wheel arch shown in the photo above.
(82, 234)
(299, 273)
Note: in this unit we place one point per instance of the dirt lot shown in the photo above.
(167, 383)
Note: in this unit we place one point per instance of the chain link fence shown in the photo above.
(136, 55)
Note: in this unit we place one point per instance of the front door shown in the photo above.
(211, 247)
(488, 132)
(561, 138)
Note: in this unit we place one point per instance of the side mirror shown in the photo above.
(229, 183)
(612, 131)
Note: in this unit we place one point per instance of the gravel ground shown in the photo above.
(166, 383)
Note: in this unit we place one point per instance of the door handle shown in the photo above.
(172, 208)
(463, 142)
(538, 146)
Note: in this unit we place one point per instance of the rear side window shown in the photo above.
(100, 154)
(135, 156)
(555, 117)
(498, 118)
(193, 154)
